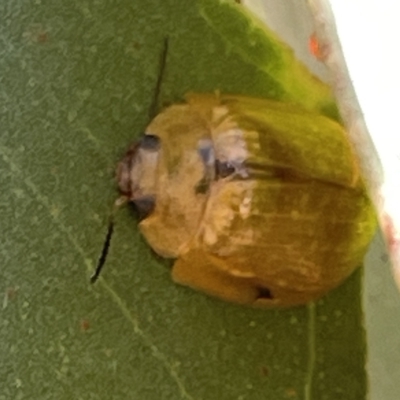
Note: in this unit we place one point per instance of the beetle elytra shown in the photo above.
(260, 202)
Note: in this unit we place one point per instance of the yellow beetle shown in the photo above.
(260, 202)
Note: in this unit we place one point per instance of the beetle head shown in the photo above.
(136, 173)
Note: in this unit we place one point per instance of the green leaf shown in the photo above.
(77, 80)
(292, 81)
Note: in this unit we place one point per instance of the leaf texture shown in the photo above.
(77, 80)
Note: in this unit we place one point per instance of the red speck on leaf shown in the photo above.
(391, 235)
(11, 292)
(291, 392)
(42, 37)
(85, 325)
(36, 33)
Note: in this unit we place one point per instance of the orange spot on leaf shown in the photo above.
(315, 47)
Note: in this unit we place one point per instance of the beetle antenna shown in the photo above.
(104, 252)
(123, 200)
(107, 241)
(157, 90)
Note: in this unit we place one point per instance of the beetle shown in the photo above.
(259, 201)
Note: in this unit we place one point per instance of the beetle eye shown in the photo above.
(223, 169)
(150, 142)
(145, 206)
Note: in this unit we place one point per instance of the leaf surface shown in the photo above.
(77, 80)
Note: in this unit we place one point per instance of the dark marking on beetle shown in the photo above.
(150, 142)
(203, 186)
(264, 293)
(206, 151)
(144, 206)
(223, 169)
